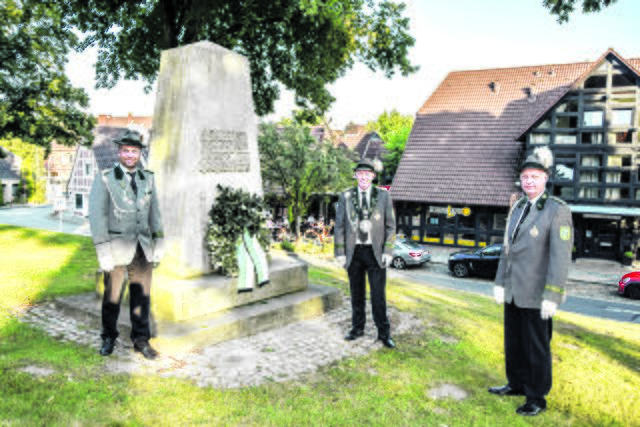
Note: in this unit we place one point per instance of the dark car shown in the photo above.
(629, 285)
(482, 262)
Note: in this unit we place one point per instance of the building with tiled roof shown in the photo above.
(9, 175)
(458, 174)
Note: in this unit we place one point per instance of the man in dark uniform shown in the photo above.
(127, 233)
(364, 232)
(530, 283)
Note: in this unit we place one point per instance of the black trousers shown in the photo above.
(139, 273)
(527, 349)
(364, 264)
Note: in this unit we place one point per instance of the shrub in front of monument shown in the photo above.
(234, 214)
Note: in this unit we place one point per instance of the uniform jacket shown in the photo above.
(534, 266)
(120, 219)
(383, 224)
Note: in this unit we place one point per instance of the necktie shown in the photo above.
(134, 186)
(363, 204)
(525, 212)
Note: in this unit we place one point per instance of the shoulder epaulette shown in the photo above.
(558, 200)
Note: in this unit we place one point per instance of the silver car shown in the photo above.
(407, 253)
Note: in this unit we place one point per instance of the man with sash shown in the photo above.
(364, 234)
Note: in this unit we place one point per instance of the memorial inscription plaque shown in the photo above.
(223, 151)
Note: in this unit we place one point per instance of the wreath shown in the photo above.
(233, 211)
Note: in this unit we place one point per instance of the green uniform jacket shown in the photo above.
(383, 224)
(534, 267)
(121, 220)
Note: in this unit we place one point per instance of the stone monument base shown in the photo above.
(175, 337)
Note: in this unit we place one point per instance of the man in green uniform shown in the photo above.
(531, 281)
(127, 233)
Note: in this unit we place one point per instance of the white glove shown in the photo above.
(386, 259)
(105, 258)
(341, 260)
(548, 309)
(498, 294)
(158, 250)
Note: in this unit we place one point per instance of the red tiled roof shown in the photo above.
(109, 120)
(463, 147)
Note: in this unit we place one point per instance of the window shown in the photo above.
(565, 138)
(499, 221)
(613, 177)
(545, 124)
(589, 176)
(614, 161)
(588, 193)
(621, 137)
(596, 82)
(88, 169)
(591, 138)
(540, 138)
(79, 200)
(591, 161)
(593, 118)
(622, 117)
(433, 221)
(621, 80)
(563, 192)
(568, 122)
(612, 194)
(564, 172)
(568, 107)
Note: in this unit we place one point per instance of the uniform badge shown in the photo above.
(565, 232)
(534, 232)
(376, 216)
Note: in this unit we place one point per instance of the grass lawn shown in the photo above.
(596, 364)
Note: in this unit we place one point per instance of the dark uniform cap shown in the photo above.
(540, 159)
(132, 138)
(365, 164)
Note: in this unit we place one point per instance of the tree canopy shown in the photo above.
(302, 44)
(563, 8)
(394, 129)
(296, 165)
(37, 102)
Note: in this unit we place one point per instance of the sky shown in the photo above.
(451, 35)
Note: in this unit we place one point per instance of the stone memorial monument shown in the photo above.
(205, 134)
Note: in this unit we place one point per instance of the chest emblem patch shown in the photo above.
(376, 216)
(565, 232)
(534, 232)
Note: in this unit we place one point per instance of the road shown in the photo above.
(437, 275)
(39, 217)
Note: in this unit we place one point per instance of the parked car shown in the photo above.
(629, 285)
(481, 262)
(406, 253)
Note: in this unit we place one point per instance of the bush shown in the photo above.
(628, 254)
(287, 246)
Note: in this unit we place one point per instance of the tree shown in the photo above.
(33, 182)
(563, 8)
(292, 161)
(37, 102)
(394, 129)
(302, 44)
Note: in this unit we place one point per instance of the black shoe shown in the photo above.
(145, 348)
(387, 342)
(506, 390)
(354, 334)
(264, 283)
(530, 409)
(108, 344)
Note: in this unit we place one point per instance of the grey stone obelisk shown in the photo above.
(204, 134)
